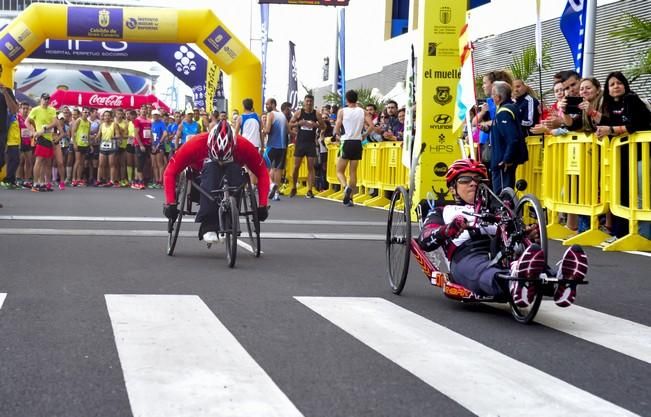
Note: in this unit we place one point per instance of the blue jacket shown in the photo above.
(507, 138)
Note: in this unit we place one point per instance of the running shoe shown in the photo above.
(134, 185)
(62, 186)
(27, 184)
(276, 196)
(36, 188)
(210, 237)
(573, 267)
(292, 193)
(530, 265)
(309, 194)
(48, 187)
(273, 191)
(348, 192)
(116, 184)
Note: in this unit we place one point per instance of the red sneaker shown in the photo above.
(530, 265)
(573, 267)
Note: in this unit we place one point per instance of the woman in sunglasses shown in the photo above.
(467, 244)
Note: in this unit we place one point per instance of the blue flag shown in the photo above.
(573, 28)
(341, 84)
(264, 17)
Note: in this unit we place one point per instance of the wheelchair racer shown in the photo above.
(467, 245)
(216, 154)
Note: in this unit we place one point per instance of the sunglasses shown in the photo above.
(467, 179)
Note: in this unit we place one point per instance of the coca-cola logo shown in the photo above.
(108, 101)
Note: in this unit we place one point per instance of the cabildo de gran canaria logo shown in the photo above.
(104, 18)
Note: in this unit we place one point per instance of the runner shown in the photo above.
(80, 134)
(122, 136)
(159, 137)
(142, 144)
(42, 121)
(26, 164)
(92, 159)
(107, 173)
(276, 130)
(353, 119)
(189, 127)
(307, 120)
(61, 147)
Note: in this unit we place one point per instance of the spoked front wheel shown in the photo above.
(230, 218)
(249, 205)
(174, 227)
(398, 240)
(531, 221)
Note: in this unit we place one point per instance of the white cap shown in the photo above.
(154, 112)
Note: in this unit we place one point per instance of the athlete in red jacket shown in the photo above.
(215, 154)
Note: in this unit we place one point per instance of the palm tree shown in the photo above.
(364, 97)
(635, 30)
(523, 66)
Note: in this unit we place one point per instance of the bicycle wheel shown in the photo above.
(509, 198)
(398, 240)
(249, 205)
(174, 228)
(231, 223)
(530, 216)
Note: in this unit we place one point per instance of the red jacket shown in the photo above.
(195, 151)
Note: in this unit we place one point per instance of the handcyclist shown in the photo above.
(216, 154)
(467, 245)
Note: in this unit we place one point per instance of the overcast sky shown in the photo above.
(312, 29)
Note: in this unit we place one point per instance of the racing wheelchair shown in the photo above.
(519, 222)
(233, 202)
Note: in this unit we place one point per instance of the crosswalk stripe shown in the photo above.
(146, 219)
(479, 378)
(184, 234)
(2, 298)
(624, 336)
(178, 359)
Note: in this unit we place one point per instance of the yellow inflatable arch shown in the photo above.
(137, 24)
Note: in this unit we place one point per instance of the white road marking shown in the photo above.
(481, 379)
(246, 246)
(150, 196)
(164, 220)
(178, 360)
(2, 298)
(187, 234)
(624, 336)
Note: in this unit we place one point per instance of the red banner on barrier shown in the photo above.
(105, 100)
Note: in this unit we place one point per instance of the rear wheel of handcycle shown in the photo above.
(231, 224)
(173, 228)
(529, 215)
(398, 240)
(249, 208)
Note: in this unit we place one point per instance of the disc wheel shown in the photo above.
(174, 227)
(398, 239)
(530, 216)
(231, 223)
(248, 209)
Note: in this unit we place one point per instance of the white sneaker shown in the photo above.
(210, 237)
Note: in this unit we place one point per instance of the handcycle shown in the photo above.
(233, 202)
(518, 223)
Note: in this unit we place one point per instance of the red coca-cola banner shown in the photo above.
(105, 100)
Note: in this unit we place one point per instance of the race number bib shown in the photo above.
(107, 145)
(146, 133)
(25, 133)
(83, 139)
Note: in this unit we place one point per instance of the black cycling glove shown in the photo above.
(171, 211)
(263, 213)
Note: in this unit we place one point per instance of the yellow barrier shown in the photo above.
(576, 174)
(636, 149)
(532, 170)
(301, 183)
(331, 173)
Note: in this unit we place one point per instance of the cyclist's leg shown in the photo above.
(474, 272)
(208, 215)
